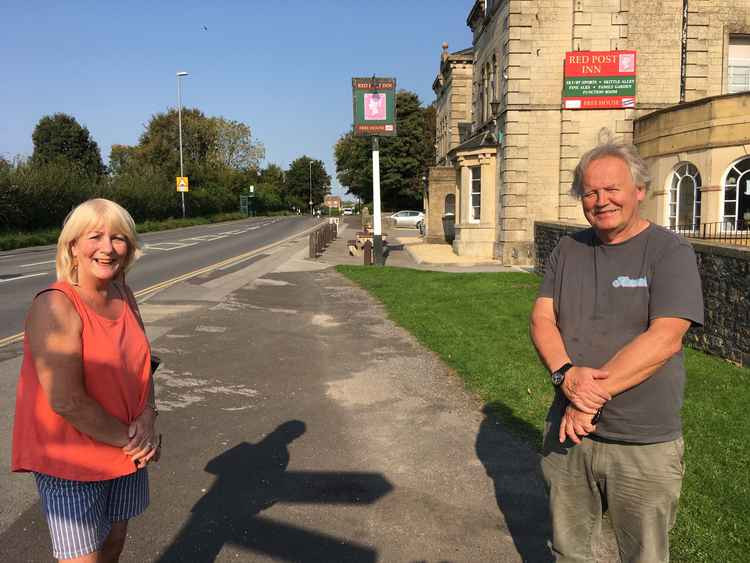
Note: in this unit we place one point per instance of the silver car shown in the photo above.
(407, 218)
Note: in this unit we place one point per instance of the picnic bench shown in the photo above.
(357, 244)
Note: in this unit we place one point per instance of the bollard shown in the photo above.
(320, 238)
(367, 253)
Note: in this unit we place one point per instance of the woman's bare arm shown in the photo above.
(54, 332)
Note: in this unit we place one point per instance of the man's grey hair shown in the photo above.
(610, 147)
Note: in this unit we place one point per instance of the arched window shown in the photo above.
(737, 195)
(685, 197)
(450, 205)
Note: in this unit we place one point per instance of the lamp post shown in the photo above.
(311, 201)
(179, 124)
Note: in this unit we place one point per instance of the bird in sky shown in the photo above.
(205, 28)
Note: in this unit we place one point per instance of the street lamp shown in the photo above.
(179, 122)
(311, 202)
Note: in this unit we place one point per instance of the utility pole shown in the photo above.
(179, 122)
(311, 201)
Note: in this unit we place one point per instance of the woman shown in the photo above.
(85, 408)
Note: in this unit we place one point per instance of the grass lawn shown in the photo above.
(478, 324)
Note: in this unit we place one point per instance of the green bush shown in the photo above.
(40, 196)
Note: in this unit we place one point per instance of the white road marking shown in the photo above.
(204, 328)
(167, 246)
(24, 277)
(203, 238)
(191, 241)
(37, 264)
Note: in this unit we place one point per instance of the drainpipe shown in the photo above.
(683, 60)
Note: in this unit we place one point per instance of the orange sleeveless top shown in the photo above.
(116, 370)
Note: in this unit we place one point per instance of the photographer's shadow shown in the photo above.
(519, 487)
(253, 477)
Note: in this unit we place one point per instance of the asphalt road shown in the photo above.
(167, 254)
(301, 425)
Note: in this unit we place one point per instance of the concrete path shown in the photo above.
(301, 425)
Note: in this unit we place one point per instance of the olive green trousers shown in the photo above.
(637, 484)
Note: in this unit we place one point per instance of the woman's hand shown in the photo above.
(144, 444)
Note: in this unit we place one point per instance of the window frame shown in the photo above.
(742, 176)
(475, 182)
(737, 40)
(679, 173)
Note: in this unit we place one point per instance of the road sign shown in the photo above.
(182, 184)
(374, 101)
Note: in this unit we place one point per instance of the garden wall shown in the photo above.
(725, 274)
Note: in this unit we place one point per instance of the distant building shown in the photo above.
(332, 201)
(514, 164)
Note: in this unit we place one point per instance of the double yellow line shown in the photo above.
(170, 282)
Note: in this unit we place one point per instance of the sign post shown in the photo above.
(599, 80)
(374, 105)
(250, 201)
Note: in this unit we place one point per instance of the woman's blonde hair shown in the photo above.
(89, 215)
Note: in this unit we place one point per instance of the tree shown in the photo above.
(159, 143)
(273, 175)
(304, 176)
(269, 190)
(404, 159)
(430, 138)
(234, 146)
(61, 137)
(122, 158)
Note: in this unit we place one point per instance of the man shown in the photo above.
(615, 302)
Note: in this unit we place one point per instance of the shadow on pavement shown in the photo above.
(253, 477)
(519, 488)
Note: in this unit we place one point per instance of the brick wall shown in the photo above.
(725, 275)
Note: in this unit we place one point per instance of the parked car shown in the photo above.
(348, 211)
(407, 218)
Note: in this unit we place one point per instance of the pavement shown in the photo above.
(300, 424)
(407, 249)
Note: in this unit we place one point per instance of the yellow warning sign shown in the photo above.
(182, 184)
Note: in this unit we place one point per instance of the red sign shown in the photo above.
(599, 79)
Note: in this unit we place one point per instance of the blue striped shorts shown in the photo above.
(80, 513)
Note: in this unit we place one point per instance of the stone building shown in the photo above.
(452, 88)
(515, 165)
(699, 156)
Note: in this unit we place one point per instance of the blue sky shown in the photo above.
(282, 66)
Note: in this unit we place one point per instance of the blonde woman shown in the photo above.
(85, 412)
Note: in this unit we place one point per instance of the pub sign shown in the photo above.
(599, 80)
(374, 101)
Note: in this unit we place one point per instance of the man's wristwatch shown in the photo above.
(558, 376)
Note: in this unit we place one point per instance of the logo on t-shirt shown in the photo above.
(625, 281)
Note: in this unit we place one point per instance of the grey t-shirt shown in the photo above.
(604, 296)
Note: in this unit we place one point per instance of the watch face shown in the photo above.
(557, 378)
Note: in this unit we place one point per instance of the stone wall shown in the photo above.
(546, 237)
(725, 275)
